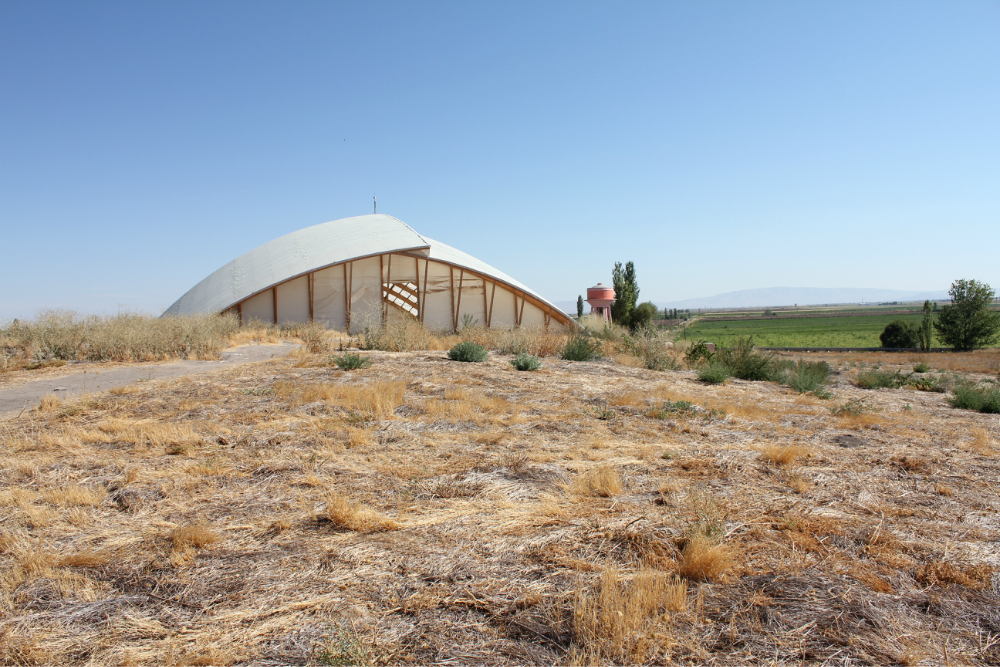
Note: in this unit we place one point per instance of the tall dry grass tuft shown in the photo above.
(345, 513)
(377, 400)
(404, 335)
(195, 535)
(122, 337)
(537, 341)
(784, 455)
(601, 482)
(626, 621)
(704, 558)
(982, 443)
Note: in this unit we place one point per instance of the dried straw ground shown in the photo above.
(428, 511)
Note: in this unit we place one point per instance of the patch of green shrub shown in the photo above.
(873, 378)
(697, 354)
(525, 362)
(714, 373)
(804, 376)
(350, 361)
(976, 397)
(744, 362)
(468, 351)
(581, 347)
(921, 368)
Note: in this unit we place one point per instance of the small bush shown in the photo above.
(697, 354)
(468, 351)
(921, 368)
(714, 373)
(350, 361)
(581, 347)
(978, 398)
(804, 376)
(874, 378)
(525, 362)
(744, 362)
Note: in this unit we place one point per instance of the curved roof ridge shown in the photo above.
(318, 246)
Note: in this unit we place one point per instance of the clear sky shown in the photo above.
(718, 145)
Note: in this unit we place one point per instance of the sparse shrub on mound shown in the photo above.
(525, 362)
(698, 354)
(581, 347)
(714, 373)
(468, 351)
(650, 346)
(874, 378)
(977, 397)
(921, 368)
(350, 361)
(804, 376)
(744, 362)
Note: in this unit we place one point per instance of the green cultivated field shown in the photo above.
(847, 331)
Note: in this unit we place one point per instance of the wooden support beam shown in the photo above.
(486, 319)
(451, 277)
(458, 309)
(312, 281)
(520, 315)
(489, 317)
(423, 299)
(239, 311)
(416, 272)
(348, 288)
(381, 275)
(274, 302)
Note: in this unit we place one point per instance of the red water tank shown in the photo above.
(600, 292)
(600, 297)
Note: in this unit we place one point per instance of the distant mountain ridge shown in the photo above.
(790, 296)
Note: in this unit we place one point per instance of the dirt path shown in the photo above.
(26, 396)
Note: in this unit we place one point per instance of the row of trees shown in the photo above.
(966, 324)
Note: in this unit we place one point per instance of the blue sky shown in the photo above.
(718, 145)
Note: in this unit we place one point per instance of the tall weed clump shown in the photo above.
(804, 376)
(581, 346)
(744, 362)
(981, 398)
(534, 340)
(650, 346)
(874, 378)
(405, 335)
(122, 337)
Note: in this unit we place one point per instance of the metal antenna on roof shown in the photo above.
(375, 202)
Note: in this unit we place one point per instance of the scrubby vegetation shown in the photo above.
(581, 347)
(981, 398)
(468, 351)
(429, 512)
(350, 361)
(526, 362)
(123, 337)
(743, 361)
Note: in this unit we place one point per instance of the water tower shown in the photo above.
(600, 297)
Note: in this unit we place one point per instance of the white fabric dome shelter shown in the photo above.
(366, 270)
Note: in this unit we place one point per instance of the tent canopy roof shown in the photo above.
(319, 246)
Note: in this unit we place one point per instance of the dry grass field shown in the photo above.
(428, 511)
